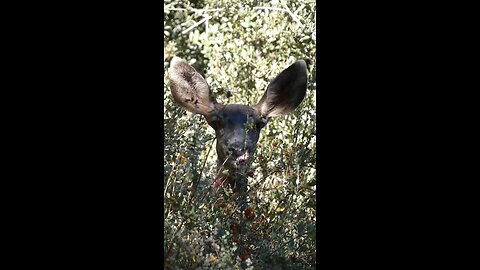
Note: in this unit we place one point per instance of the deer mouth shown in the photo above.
(242, 160)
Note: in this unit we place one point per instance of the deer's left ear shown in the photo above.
(285, 92)
(189, 88)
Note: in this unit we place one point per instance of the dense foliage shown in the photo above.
(239, 47)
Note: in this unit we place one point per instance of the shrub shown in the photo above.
(239, 47)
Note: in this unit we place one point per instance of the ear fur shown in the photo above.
(189, 88)
(285, 92)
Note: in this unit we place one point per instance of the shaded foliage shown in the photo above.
(239, 48)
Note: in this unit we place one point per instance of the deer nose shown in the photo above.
(236, 151)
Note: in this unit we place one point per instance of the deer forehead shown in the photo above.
(238, 113)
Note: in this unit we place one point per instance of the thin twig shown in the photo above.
(173, 237)
(272, 8)
(195, 9)
(205, 18)
(300, 159)
(295, 18)
(214, 179)
(201, 171)
(171, 172)
(284, 244)
(284, 10)
(206, 26)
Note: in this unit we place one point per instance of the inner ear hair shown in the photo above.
(189, 88)
(285, 93)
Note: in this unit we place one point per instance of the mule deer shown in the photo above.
(237, 127)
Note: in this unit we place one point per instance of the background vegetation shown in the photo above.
(239, 47)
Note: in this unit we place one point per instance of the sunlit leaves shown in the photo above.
(240, 51)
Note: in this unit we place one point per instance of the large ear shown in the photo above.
(189, 88)
(285, 92)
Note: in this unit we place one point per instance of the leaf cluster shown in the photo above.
(239, 48)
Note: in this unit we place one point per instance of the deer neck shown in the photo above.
(235, 177)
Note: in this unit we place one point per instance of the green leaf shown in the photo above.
(311, 228)
(301, 228)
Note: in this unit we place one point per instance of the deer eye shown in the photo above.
(261, 123)
(215, 121)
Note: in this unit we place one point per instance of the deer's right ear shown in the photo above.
(285, 92)
(189, 88)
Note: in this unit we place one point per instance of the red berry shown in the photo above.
(218, 182)
(249, 213)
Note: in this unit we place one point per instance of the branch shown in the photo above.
(284, 10)
(195, 183)
(173, 237)
(195, 9)
(272, 8)
(284, 244)
(295, 18)
(205, 18)
(214, 179)
(170, 176)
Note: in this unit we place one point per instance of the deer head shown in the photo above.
(237, 127)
